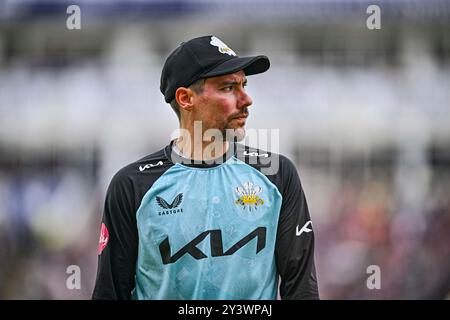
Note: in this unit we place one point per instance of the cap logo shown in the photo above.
(223, 48)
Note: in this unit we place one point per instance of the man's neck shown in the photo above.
(200, 150)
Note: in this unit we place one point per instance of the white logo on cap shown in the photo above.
(223, 48)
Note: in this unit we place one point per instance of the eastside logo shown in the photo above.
(170, 208)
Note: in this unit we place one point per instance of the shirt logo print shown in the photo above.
(248, 196)
(170, 208)
(103, 239)
(305, 228)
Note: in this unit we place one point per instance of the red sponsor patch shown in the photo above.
(103, 240)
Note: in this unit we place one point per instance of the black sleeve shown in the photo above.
(117, 260)
(295, 239)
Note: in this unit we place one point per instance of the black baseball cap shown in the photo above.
(204, 57)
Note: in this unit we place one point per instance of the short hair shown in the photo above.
(197, 87)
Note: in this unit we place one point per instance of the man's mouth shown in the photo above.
(241, 117)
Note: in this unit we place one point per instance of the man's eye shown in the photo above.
(227, 89)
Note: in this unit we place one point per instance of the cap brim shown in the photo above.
(250, 65)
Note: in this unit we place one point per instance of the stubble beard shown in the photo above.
(236, 133)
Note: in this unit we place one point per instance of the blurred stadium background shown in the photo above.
(363, 113)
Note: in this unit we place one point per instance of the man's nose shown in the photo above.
(245, 100)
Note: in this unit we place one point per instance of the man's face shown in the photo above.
(223, 104)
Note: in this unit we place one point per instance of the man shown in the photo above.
(194, 222)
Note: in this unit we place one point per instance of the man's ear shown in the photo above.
(184, 98)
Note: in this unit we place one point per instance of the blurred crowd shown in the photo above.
(49, 218)
(369, 226)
